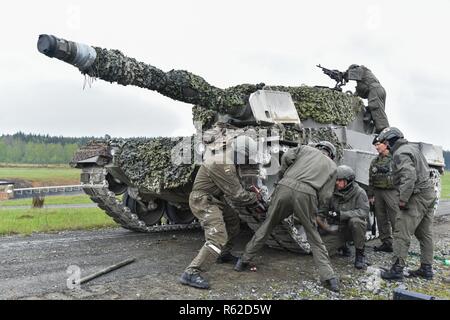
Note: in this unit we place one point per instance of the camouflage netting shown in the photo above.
(323, 105)
(147, 162)
(114, 66)
(92, 149)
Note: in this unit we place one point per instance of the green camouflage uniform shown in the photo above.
(381, 186)
(352, 205)
(412, 179)
(307, 180)
(368, 87)
(216, 186)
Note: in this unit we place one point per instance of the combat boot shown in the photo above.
(360, 259)
(332, 284)
(194, 280)
(242, 266)
(395, 273)
(425, 271)
(227, 258)
(345, 251)
(385, 247)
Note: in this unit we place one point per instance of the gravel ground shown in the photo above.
(35, 267)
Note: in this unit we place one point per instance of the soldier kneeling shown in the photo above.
(349, 207)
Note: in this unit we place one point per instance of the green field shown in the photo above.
(42, 176)
(78, 199)
(445, 192)
(17, 221)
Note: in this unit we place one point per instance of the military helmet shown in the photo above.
(390, 133)
(375, 140)
(345, 173)
(328, 146)
(245, 147)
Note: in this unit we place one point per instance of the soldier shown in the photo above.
(368, 87)
(307, 177)
(382, 195)
(351, 205)
(416, 202)
(216, 185)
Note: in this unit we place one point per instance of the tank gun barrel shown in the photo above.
(114, 66)
(77, 54)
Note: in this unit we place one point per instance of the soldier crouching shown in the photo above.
(350, 206)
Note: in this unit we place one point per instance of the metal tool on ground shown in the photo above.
(401, 294)
(106, 270)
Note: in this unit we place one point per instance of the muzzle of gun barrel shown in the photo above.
(78, 54)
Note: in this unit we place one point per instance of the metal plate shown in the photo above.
(273, 107)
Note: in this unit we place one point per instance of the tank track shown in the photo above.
(98, 191)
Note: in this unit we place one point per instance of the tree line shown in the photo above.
(39, 149)
(45, 149)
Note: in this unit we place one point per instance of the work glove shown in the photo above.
(258, 210)
(325, 227)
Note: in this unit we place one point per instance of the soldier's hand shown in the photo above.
(258, 210)
(372, 200)
(323, 224)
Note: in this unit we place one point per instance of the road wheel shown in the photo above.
(141, 209)
(179, 215)
(114, 186)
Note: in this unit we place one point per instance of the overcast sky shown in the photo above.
(405, 43)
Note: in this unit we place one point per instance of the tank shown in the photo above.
(144, 183)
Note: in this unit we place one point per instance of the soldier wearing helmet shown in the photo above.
(383, 195)
(217, 185)
(307, 177)
(368, 87)
(350, 206)
(416, 194)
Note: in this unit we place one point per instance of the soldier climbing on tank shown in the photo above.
(383, 195)
(416, 204)
(368, 87)
(307, 177)
(216, 187)
(351, 207)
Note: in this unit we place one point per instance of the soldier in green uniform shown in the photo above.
(368, 87)
(307, 177)
(416, 203)
(217, 185)
(383, 195)
(351, 205)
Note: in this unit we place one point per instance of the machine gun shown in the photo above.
(336, 75)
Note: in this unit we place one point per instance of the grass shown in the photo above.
(78, 199)
(42, 176)
(17, 221)
(445, 180)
